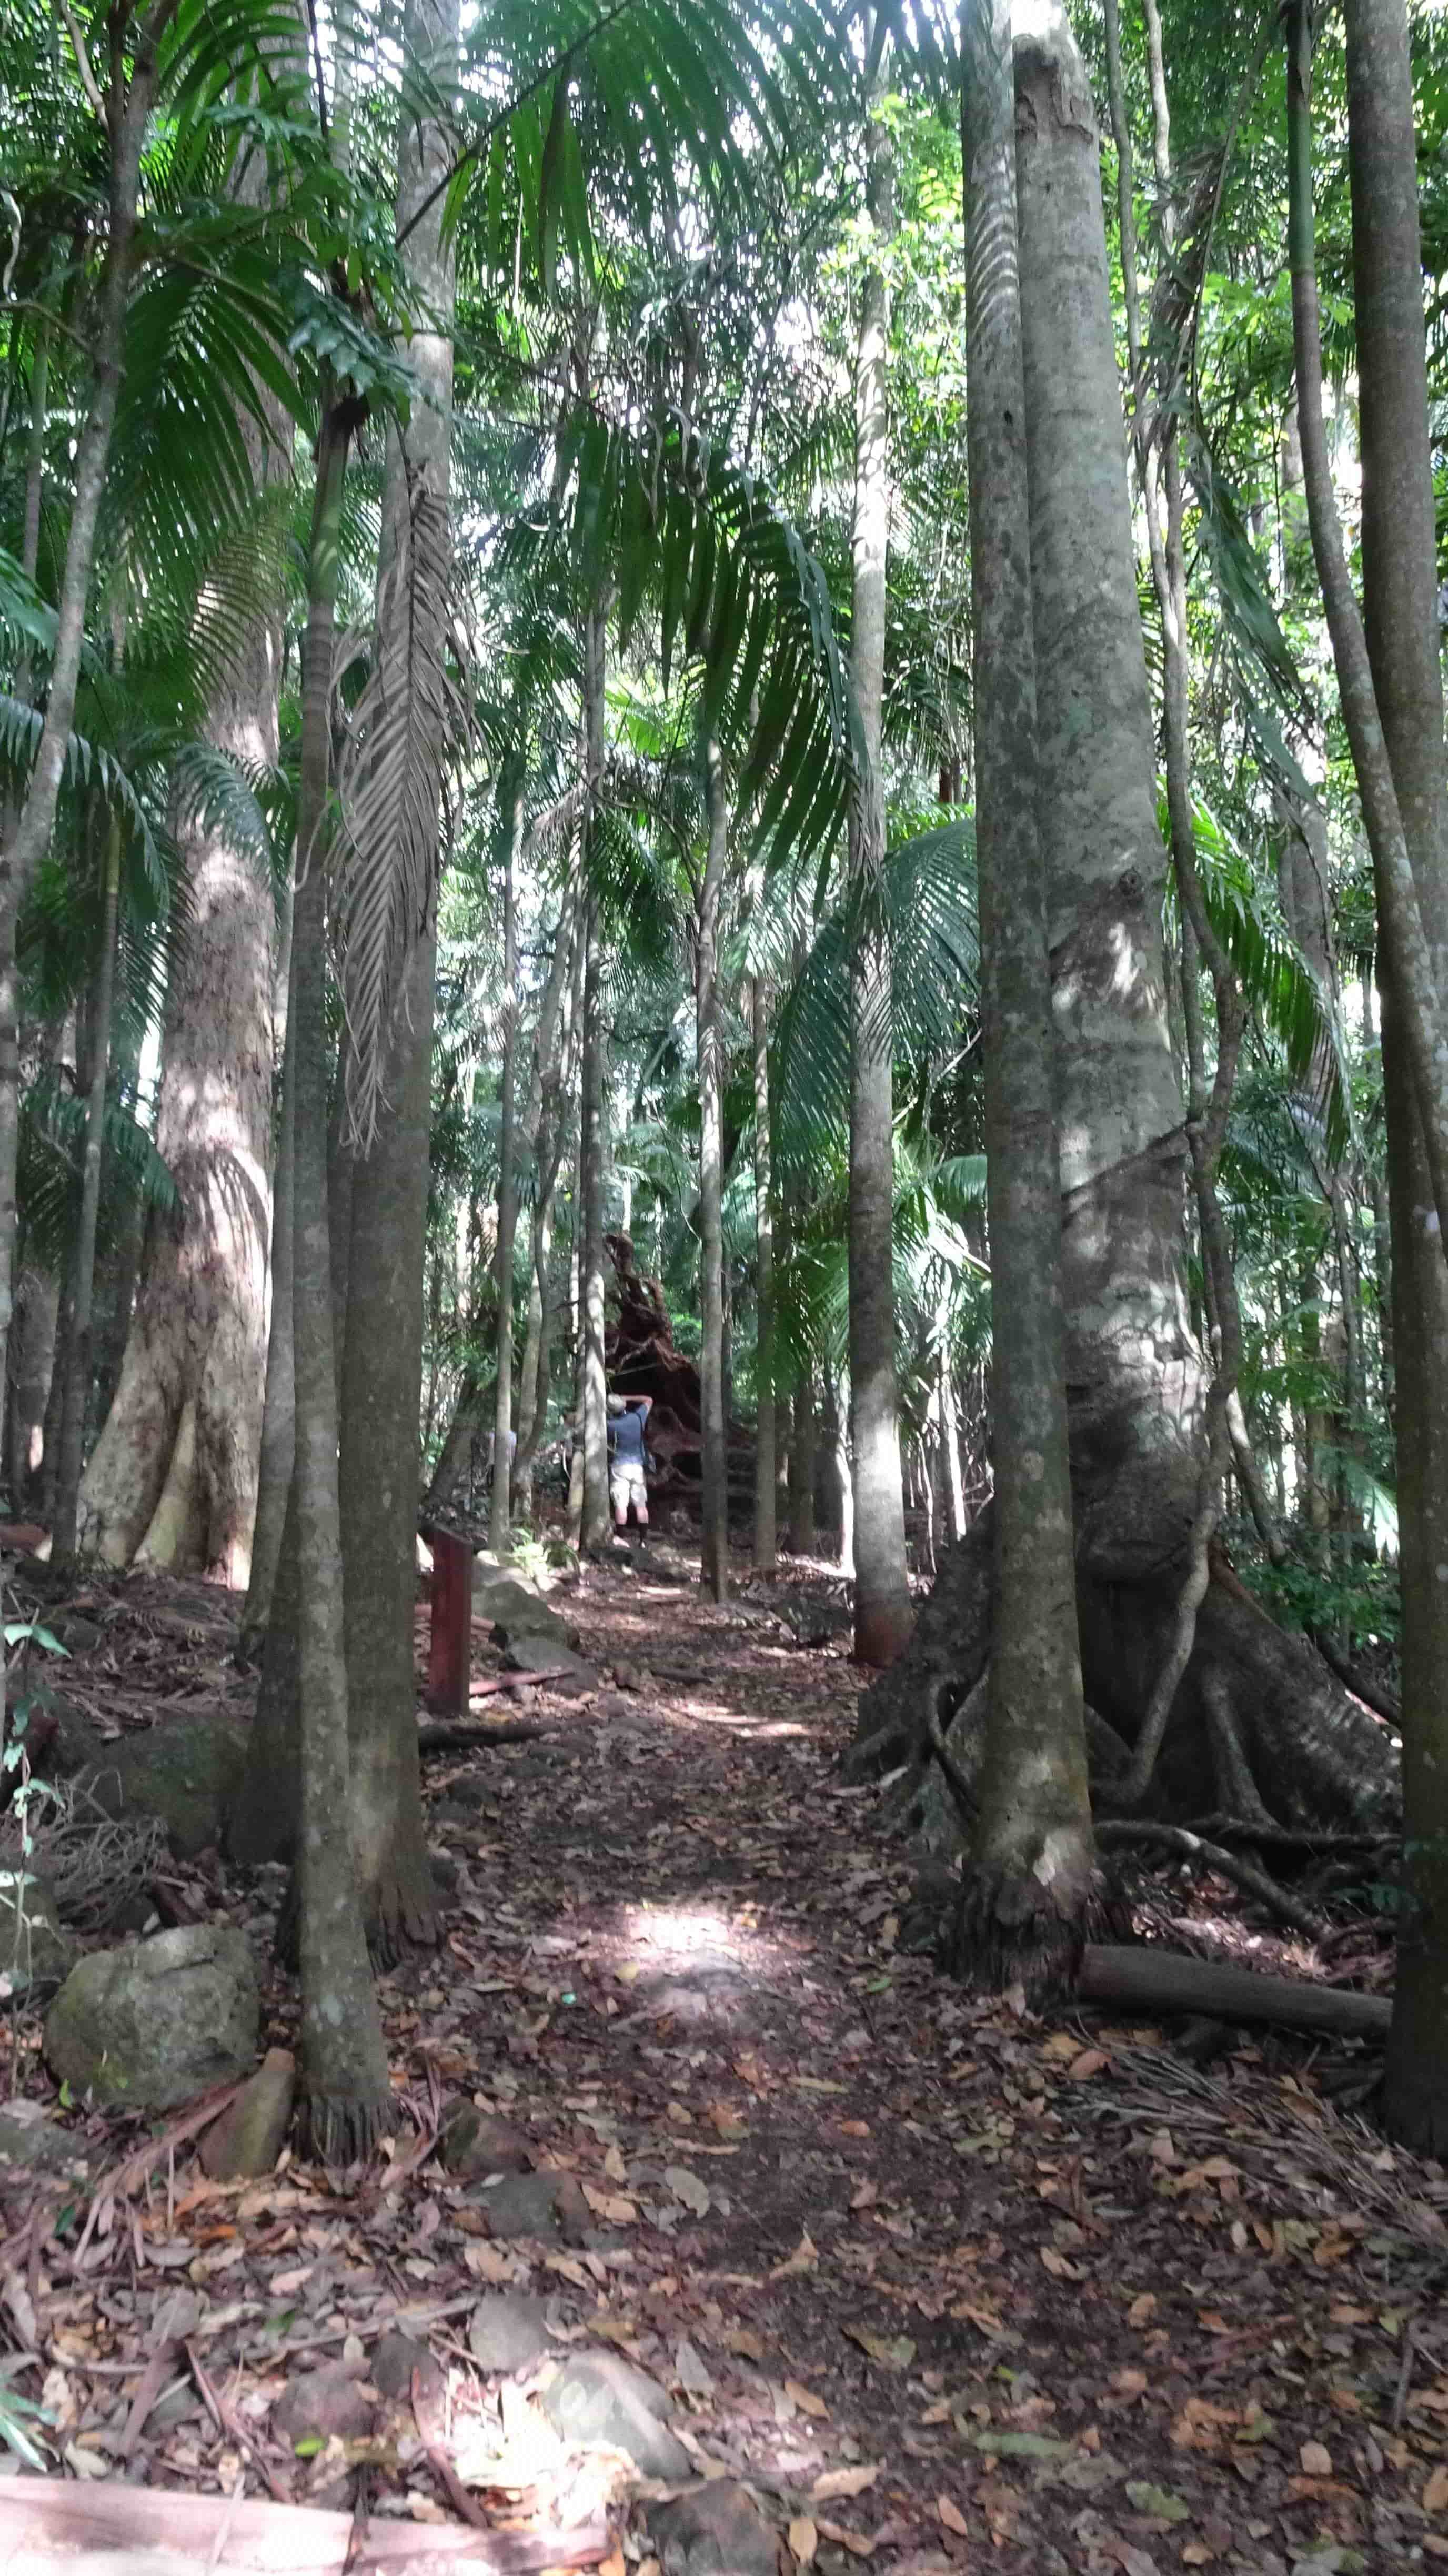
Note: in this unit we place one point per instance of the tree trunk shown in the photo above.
(804, 1468)
(1135, 1378)
(346, 2099)
(510, 795)
(1032, 1859)
(32, 1347)
(132, 88)
(77, 1380)
(714, 1493)
(378, 1478)
(595, 1518)
(199, 1336)
(882, 1592)
(950, 1441)
(279, 1412)
(1401, 608)
(764, 1465)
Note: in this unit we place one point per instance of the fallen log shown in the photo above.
(457, 1735)
(1168, 1981)
(108, 2528)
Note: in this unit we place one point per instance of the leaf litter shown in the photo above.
(974, 2283)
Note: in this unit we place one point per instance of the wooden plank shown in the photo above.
(119, 2530)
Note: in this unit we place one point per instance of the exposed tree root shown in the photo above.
(341, 2129)
(1246, 1874)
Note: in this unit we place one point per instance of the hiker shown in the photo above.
(626, 1457)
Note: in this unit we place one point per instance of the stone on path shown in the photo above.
(550, 2205)
(508, 2332)
(397, 2356)
(599, 2401)
(715, 2530)
(528, 1650)
(151, 2026)
(322, 2403)
(472, 2142)
(31, 2144)
(35, 1954)
(246, 2141)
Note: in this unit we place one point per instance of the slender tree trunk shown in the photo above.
(511, 799)
(804, 1467)
(595, 1520)
(33, 1359)
(765, 1544)
(882, 1592)
(1032, 1860)
(132, 88)
(279, 1413)
(346, 2099)
(1400, 602)
(837, 1456)
(950, 1441)
(1420, 1005)
(78, 1355)
(714, 1494)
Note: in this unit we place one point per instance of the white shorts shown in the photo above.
(626, 1485)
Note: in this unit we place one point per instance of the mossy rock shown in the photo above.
(152, 2026)
(185, 1772)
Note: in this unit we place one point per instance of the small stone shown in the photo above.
(397, 2356)
(528, 1651)
(246, 2141)
(31, 2144)
(445, 1872)
(151, 2026)
(35, 1954)
(321, 2403)
(602, 2402)
(508, 2333)
(473, 2142)
(523, 2205)
(715, 2530)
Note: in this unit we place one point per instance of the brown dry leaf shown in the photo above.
(1162, 2149)
(805, 2399)
(852, 2540)
(614, 2166)
(804, 2540)
(952, 2517)
(1315, 2460)
(610, 2205)
(984, 2318)
(897, 2351)
(833, 2483)
(1089, 2063)
(1142, 2309)
(854, 2128)
(1435, 2493)
(488, 2263)
(1062, 2044)
(1057, 2265)
(743, 2340)
(805, 2258)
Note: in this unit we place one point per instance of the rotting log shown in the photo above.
(1167, 1981)
(114, 2529)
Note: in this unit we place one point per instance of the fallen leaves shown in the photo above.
(832, 2484)
(805, 2258)
(952, 2517)
(895, 2351)
(804, 2539)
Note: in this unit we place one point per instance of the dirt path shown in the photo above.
(950, 2287)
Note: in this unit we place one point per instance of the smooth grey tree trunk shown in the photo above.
(279, 1408)
(76, 1391)
(765, 1482)
(714, 1493)
(882, 1593)
(595, 1521)
(1032, 1855)
(1401, 614)
(346, 2098)
(500, 1522)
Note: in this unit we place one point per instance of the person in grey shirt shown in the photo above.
(626, 1458)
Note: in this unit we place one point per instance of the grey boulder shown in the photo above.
(599, 2401)
(151, 2026)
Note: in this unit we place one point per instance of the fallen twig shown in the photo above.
(134, 2168)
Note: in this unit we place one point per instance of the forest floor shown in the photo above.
(947, 2285)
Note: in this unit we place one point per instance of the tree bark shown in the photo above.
(595, 1519)
(500, 1525)
(1032, 1861)
(279, 1412)
(765, 1539)
(1401, 610)
(199, 1334)
(882, 1592)
(346, 2099)
(714, 1492)
(76, 1393)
